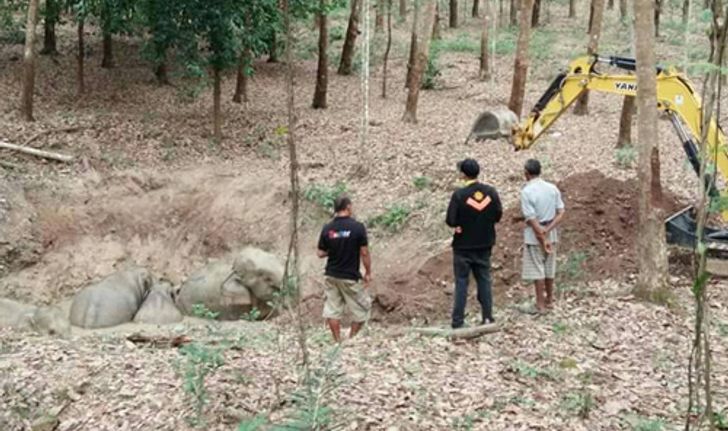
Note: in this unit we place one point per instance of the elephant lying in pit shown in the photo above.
(44, 320)
(112, 301)
(159, 307)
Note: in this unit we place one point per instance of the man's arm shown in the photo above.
(322, 253)
(497, 207)
(323, 249)
(366, 259)
(556, 221)
(540, 234)
(452, 212)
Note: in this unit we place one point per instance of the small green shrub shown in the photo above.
(572, 268)
(198, 362)
(432, 73)
(579, 403)
(626, 157)
(639, 423)
(393, 219)
(324, 196)
(422, 182)
(337, 33)
(201, 311)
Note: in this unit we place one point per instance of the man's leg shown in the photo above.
(549, 284)
(360, 305)
(550, 273)
(355, 328)
(540, 295)
(461, 272)
(333, 307)
(481, 269)
(335, 326)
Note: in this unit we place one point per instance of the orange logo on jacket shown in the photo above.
(478, 201)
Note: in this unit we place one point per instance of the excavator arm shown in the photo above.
(676, 97)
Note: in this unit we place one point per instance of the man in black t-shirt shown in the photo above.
(344, 243)
(473, 212)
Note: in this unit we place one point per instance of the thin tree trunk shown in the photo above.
(501, 13)
(582, 104)
(651, 248)
(423, 47)
(623, 9)
(50, 46)
(107, 61)
(685, 11)
(322, 74)
(476, 9)
(625, 122)
(241, 84)
(388, 49)
(413, 46)
(216, 103)
(347, 52)
(591, 16)
(403, 9)
(514, 12)
(536, 13)
(610, 5)
(520, 67)
(658, 9)
(436, 34)
(484, 71)
(29, 62)
(273, 48)
(80, 57)
(572, 8)
(160, 72)
(453, 13)
(379, 17)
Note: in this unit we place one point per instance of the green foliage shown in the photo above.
(467, 422)
(432, 72)
(422, 182)
(251, 316)
(337, 33)
(393, 219)
(255, 424)
(198, 362)
(580, 403)
(201, 311)
(460, 43)
(323, 195)
(626, 157)
(639, 423)
(559, 328)
(573, 267)
(525, 369)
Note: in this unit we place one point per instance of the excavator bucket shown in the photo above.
(681, 230)
(494, 124)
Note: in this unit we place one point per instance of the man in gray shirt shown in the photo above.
(542, 209)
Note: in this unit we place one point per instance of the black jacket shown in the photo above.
(475, 208)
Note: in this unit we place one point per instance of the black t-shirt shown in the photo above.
(342, 239)
(475, 208)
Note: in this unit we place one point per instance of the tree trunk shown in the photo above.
(610, 5)
(625, 122)
(423, 48)
(514, 12)
(160, 72)
(273, 48)
(651, 248)
(107, 61)
(623, 9)
(501, 13)
(572, 8)
(536, 13)
(52, 13)
(658, 9)
(80, 57)
(685, 11)
(582, 104)
(591, 17)
(413, 46)
(403, 9)
(216, 101)
(29, 62)
(347, 52)
(379, 20)
(322, 74)
(241, 84)
(520, 69)
(436, 34)
(476, 8)
(453, 13)
(385, 61)
(484, 71)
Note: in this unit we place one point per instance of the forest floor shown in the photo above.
(152, 186)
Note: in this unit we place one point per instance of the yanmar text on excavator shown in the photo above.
(676, 98)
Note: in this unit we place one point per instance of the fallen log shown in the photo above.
(35, 152)
(460, 333)
(160, 341)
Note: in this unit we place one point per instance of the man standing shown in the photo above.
(344, 243)
(542, 209)
(473, 212)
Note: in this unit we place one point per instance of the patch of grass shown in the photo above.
(505, 43)
(432, 73)
(201, 311)
(422, 182)
(541, 44)
(198, 362)
(626, 157)
(640, 423)
(460, 43)
(579, 403)
(393, 219)
(337, 33)
(572, 268)
(323, 195)
(525, 369)
(559, 328)
(723, 329)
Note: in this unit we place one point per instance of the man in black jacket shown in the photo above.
(473, 212)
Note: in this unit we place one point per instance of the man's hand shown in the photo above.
(458, 230)
(367, 280)
(322, 253)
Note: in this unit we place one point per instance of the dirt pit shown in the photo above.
(597, 241)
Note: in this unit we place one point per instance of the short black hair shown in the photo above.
(341, 203)
(469, 167)
(533, 167)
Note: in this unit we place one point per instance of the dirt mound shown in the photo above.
(597, 242)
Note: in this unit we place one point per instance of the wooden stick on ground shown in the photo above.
(459, 334)
(38, 153)
(51, 131)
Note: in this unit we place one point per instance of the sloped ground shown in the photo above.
(617, 361)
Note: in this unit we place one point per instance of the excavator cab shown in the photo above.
(676, 98)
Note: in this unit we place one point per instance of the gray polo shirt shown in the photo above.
(540, 200)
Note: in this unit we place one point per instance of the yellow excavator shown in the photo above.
(676, 98)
